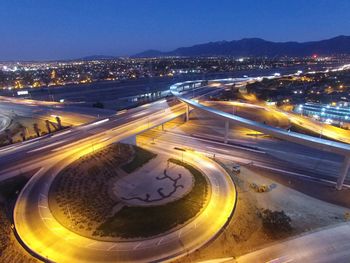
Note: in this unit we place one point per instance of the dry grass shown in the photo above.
(10, 250)
(79, 196)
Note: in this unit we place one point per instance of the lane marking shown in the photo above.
(160, 241)
(216, 142)
(139, 244)
(46, 146)
(113, 246)
(60, 134)
(298, 174)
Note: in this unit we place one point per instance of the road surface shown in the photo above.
(327, 245)
(40, 231)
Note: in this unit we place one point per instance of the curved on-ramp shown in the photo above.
(46, 237)
(342, 149)
(318, 143)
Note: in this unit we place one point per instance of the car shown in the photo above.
(236, 168)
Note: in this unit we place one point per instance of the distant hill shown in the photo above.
(97, 57)
(259, 47)
(149, 54)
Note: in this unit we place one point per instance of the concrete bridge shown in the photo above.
(317, 143)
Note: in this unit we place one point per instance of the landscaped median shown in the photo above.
(82, 197)
(147, 221)
(37, 225)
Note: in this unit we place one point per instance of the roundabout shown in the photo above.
(94, 198)
(158, 182)
(50, 239)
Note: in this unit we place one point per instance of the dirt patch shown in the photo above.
(246, 233)
(146, 221)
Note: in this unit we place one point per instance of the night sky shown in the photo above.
(61, 29)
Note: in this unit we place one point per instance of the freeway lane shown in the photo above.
(131, 123)
(261, 159)
(322, 129)
(327, 245)
(40, 231)
(20, 157)
(307, 140)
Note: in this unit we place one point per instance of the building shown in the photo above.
(326, 113)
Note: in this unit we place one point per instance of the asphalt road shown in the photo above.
(253, 156)
(53, 152)
(327, 245)
(36, 226)
(40, 231)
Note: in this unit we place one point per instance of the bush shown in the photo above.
(276, 223)
(259, 188)
(141, 157)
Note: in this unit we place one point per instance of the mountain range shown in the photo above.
(258, 47)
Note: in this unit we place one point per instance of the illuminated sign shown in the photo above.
(22, 92)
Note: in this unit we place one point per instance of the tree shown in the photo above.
(36, 129)
(23, 132)
(58, 119)
(47, 122)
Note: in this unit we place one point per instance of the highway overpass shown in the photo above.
(317, 143)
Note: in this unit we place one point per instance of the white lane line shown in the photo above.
(34, 140)
(121, 112)
(180, 232)
(46, 146)
(97, 122)
(218, 143)
(8, 148)
(139, 114)
(60, 134)
(135, 247)
(104, 139)
(160, 241)
(42, 206)
(217, 149)
(297, 174)
(65, 146)
(113, 246)
(91, 244)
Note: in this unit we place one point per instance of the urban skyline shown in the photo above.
(174, 131)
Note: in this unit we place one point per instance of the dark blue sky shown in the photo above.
(57, 29)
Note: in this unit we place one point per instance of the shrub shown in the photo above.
(276, 223)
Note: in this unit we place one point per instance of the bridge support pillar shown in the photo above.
(187, 113)
(227, 126)
(343, 172)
